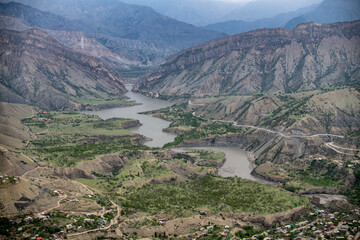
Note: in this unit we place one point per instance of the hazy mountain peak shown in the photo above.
(330, 11)
(266, 8)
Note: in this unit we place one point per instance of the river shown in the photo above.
(152, 127)
(236, 164)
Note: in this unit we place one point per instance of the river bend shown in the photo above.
(236, 164)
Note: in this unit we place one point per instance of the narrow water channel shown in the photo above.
(236, 164)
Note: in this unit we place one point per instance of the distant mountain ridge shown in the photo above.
(330, 11)
(312, 56)
(238, 26)
(196, 12)
(36, 18)
(261, 9)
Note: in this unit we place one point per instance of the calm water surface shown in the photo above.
(236, 163)
(152, 127)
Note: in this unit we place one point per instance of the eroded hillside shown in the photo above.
(312, 56)
(38, 70)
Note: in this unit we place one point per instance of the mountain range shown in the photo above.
(312, 56)
(239, 26)
(260, 9)
(328, 11)
(196, 12)
(205, 12)
(137, 34)
(118, 37)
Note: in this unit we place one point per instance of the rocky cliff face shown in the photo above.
(312, 56)
(36, 69)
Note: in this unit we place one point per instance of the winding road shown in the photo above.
(112, 222)
(63, 197)
(336, 149)
(30, 171)
(280, 133)
(328, 144)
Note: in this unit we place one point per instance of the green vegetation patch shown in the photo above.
(85, 149)
(110, 101)
(226, 195)
(76, 123)
(293, 111)
(211, 155)
(248, 231)
(318, 173)
(192, 127)
(205, 131)
(354, 193)
(134, 172)
(142, 169)
(179, 116)
(63, 139)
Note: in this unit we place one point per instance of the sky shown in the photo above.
(236, 1)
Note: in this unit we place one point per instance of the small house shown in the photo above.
(69, 226)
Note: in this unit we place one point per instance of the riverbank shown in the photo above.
(275, 158)
(151, 127)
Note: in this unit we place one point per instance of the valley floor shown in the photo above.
(75, 176)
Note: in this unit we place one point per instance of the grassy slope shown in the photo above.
(12, 132)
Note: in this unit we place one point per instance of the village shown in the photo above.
(55, 224)
(320, 224)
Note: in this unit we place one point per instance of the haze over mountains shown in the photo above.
(196, 12)
(239, 26)
(266, 9)
(204, 12)
(137, 34)
(328, 11)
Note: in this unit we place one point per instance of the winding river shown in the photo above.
(236, 164)
(152, 127)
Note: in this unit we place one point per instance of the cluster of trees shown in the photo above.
(212, 192)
